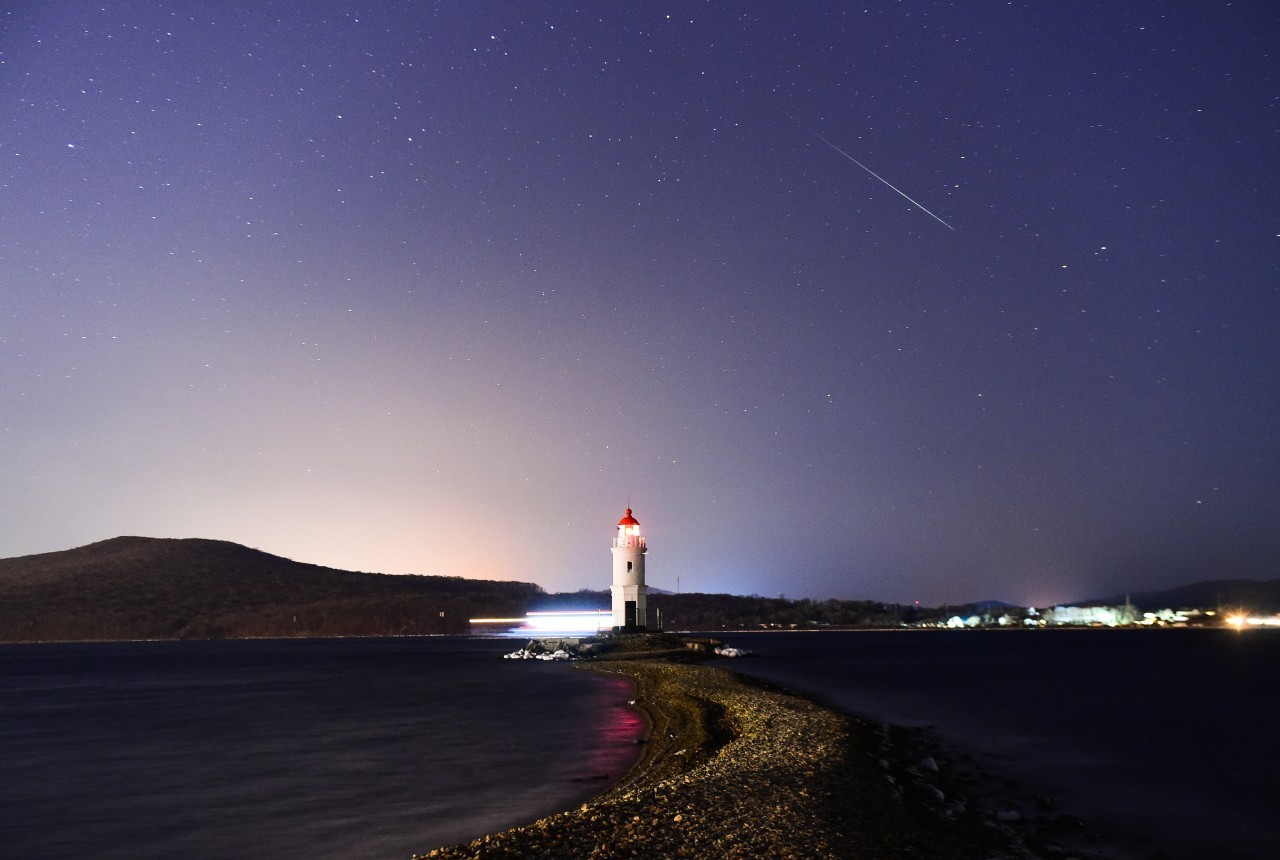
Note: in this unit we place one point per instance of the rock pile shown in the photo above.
(555, 649)
(530, 654)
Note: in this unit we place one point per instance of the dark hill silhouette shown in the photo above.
(159, 588)
(704, 612)
(1254, 595)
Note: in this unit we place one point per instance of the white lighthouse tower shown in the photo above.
(630, 594)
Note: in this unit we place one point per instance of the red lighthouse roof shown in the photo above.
(628, 520)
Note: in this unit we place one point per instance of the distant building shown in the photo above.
(630, 594)
(1094, 616)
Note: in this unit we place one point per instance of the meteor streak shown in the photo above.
(876, 175)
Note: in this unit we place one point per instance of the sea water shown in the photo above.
(1169, 739)
(284, 749)
(383, 748)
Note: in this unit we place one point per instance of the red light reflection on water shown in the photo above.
(620, 732)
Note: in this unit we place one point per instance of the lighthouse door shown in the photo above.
(629, 615)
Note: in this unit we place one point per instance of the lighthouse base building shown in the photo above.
(630, 594)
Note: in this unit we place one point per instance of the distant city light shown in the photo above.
(1240, 621)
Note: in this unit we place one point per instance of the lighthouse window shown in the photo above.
(628, 567)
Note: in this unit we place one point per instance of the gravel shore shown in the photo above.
(733, 769)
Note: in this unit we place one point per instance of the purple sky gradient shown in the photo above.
(442, 288)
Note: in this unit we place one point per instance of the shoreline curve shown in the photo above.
(734, 768)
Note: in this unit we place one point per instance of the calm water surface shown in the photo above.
(1171, 737)
(293, 749)
(383, 748)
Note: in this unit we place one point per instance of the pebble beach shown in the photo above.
(734, 769)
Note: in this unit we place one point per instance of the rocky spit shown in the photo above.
(734, 769)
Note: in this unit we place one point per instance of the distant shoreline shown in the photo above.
(531, 635)
(726, 632)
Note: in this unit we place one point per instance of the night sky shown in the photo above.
(442, 288)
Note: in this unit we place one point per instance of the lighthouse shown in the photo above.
(630, 594)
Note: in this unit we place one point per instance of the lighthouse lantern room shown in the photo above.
(630, 594)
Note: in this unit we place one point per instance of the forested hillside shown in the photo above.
(154, 588)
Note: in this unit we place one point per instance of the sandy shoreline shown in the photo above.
(735, 769)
